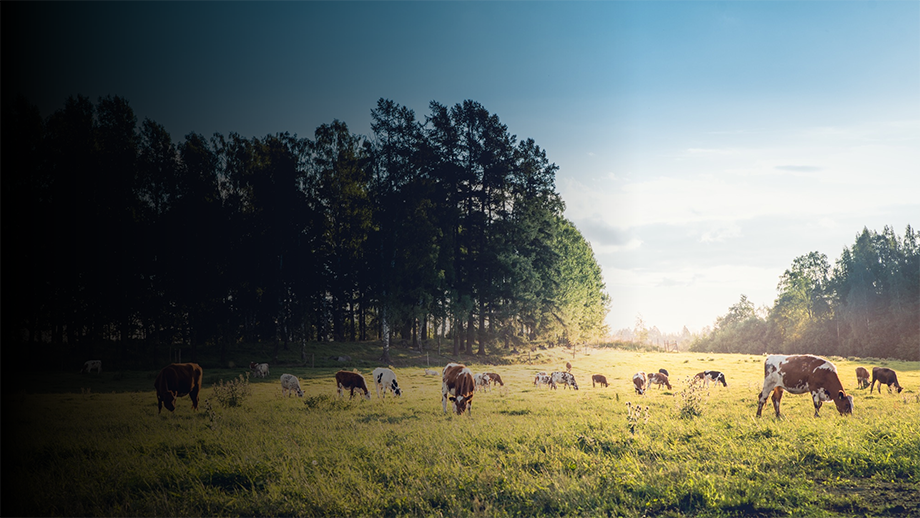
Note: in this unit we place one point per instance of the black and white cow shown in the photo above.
(385, 379)
(707, 376)
(563, 378)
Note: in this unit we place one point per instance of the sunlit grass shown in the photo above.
(523, 451)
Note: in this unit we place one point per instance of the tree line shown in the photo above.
(448, 226)
(867, 304)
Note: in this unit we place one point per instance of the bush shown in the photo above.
(232, 393)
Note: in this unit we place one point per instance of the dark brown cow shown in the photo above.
(862, 377)
(351, 380)
(884, 376)
(177, 380)
(600, 379)
(458, 386)
(799, 374)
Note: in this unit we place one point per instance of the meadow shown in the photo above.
(94, 445)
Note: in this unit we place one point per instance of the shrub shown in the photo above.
(690, 400)
(234, 392)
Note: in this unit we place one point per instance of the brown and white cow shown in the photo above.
(177, 380)
(799, 374)
(862, 377)
(345, 380)
(639, 380)
(495, 378)
(658, 379)
(884, 376)
(600, 379)
(458, 386)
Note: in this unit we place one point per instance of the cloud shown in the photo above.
(799, 168)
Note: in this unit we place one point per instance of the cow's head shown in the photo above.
(167, 399)
(844, 403)
(396, 389)
(461, 403)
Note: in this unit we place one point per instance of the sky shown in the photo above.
(702, 146)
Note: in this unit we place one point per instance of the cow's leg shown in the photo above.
(194, 396)
(444, 399)
(816, 397)
(777, 398)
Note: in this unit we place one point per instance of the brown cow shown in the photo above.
(884, 376)
(658, 379)
(351, 380)
(801, 373)
(458, 386)
(862, 377)
(177, 380)
(600, 379)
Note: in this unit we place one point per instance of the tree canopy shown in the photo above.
(448, 226)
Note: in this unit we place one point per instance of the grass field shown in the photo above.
(94, 445)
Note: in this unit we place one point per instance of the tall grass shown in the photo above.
(523, 451)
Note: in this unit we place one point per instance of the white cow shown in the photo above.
(385, 379)
(566, 379)
(290, 385)
(482, 381)
(259, 369)
(92, 365)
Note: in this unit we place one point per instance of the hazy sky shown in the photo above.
(701, 146)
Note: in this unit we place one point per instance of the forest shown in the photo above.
(867, 305)
(444, 227)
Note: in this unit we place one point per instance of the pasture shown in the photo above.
(94, 445)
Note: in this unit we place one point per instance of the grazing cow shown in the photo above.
(639, 381)
(259, 369)
(290, 385)
(457, 385)
(92, 365)
(708, 376)
(566, 379)
(351, 381)
(862, 377)
(429, 372)
(494, 378)
(482, 380)
(662, 371)
(177, 380)
(543, 378)
(884, 376)
(385, 379)
(799, 374)
(659, 379)
(600, 379)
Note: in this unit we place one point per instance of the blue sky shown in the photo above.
(701, 146)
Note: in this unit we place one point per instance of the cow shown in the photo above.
(600, 379)
(639, 381)
(92, 365)
(385, 379)
(884, 376)
(351, 381)
(566, 379)
(862, 377)
(177, 380)
(290, 385)
(799, 374)
(662, 371)
(659, 379)
(430, 372)
(543, 378)
(708, 376)
(457, 385)
(494, 378)
(258, 369)
(482, 380)
(568, 367)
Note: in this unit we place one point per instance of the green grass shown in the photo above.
(94, 445)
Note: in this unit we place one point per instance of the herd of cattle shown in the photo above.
(796, 374)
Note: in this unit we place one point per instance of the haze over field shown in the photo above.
(701, 146)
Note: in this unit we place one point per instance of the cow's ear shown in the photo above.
(841, 396)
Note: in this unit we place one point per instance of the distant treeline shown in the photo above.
(868, 304)
(446, 227)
